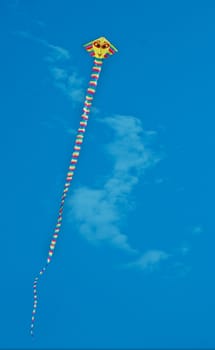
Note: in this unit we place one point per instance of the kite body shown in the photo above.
(100, 48)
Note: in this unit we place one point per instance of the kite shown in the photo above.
(99, 49)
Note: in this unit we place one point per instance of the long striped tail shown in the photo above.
(96, 69)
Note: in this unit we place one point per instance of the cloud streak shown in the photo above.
(64, 76)
(100, 219)
(149, 261)
(197, 230)
(104, 207)
(68, 82)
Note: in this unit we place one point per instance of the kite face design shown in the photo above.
(100, 48)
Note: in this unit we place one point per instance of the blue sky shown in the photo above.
(134, 265)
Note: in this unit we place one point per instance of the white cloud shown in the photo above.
(98, 217)
(68, 82)
(59, 73)
(159, 181)
(57, 53)
(104, 207)
(128, 148)
(64, 77)
(149, 261)
(39, 23)
(197, 230)
(184, 250)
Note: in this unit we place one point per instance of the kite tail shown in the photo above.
(96, 69)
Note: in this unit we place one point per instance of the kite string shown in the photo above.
(95, 73)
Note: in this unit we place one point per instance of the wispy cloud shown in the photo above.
(100, 219)
(149, 261)
(68, 82)
(64, 76)
(130, 145)
(56, 52)
(184, 249)
(104, 207)
(197, 230)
